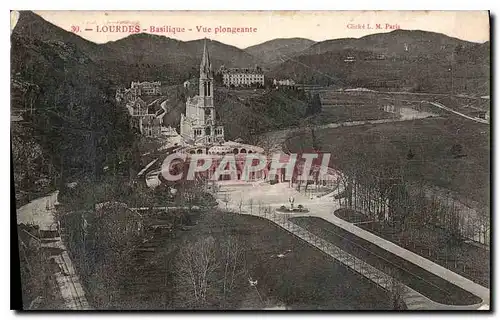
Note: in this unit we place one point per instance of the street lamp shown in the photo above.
(173, 191)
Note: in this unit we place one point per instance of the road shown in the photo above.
(41, 212)
(441, 106)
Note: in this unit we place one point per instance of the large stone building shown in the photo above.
(242, 77)
(199, 125)
(284, 83)
(146, 109)
(146, 88)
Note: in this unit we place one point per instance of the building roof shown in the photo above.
(242, 70)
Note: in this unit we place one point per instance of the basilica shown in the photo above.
(198, 125)
(199, 128)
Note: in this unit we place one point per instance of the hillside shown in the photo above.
(433, 63)
(155, 49)
(410, 43)
(138, 56)
(244, 112)
(70, 125)
(168, 60)
(34, 27)
(278, 50)
(411, 60)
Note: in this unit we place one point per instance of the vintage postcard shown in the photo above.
(251, 160)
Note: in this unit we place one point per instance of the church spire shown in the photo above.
(205, 66)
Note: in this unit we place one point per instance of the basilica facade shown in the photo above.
(199, 125)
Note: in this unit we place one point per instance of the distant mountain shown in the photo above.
(137, 56)
(398, 60)
(392, 44)
(278, 50)
(32, 26)
(155, 49)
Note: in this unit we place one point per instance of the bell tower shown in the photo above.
(199, 123)
(206, 76)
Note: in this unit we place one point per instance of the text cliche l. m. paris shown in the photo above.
(376, 26)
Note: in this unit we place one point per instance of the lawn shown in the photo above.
(412, 275)
(385, 147)
(304, 278)
(466, 105)
(466, 259)
(346, 106)
(350, 106)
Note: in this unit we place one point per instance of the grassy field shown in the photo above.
(463, 258)
(413, 276)
(346, 106)
(386, 147)
(304, 278)
(343, 107)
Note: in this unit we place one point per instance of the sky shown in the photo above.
(262, 26)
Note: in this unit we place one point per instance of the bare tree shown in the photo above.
(250, 204)
(196, 271)
(208, 271)
(232, 257)
(226, 199)
(240, 205)
(396, 291)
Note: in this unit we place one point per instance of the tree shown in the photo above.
(316, 144)
(218, 78)
(208, 271)
(396, 291)
(451, 224)
(196, 271)
(232, 258)
(457, 150)
(314, 105)
(410, 155)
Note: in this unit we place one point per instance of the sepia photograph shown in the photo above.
(251, 160)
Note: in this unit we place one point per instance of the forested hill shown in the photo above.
(401, 60)
(137, 57)
(70, 125)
